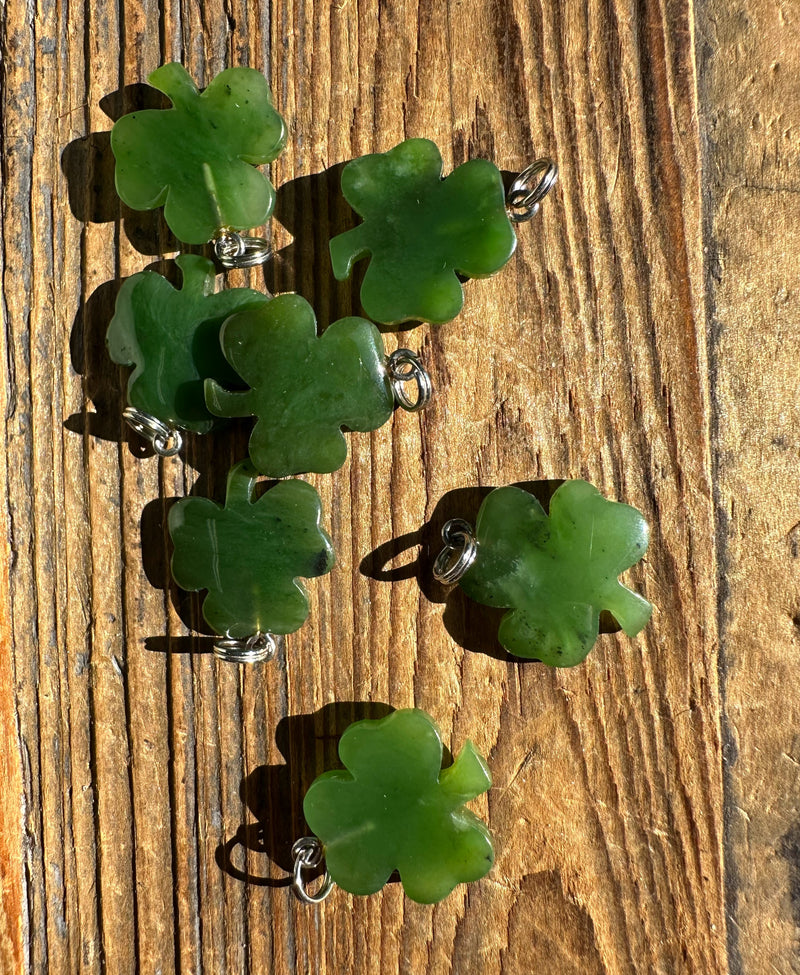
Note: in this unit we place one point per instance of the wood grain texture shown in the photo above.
(150, 794)
(754, 282)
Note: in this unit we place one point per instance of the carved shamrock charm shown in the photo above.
(421, 231)
(555, 574)
(395, 808)
(250, 553)
(197, 158)
(171, 338)
(303, 389)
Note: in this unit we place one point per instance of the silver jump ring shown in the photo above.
(166, 441)
(404, 366)
(526, 193)
(251, 650)
(237, 250)
(308, 853)
(459, 552)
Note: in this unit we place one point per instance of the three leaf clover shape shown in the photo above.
(395, 808)
(171, 338)
(250, 553)
(198, 157)
(557, 573)
(421, 231)
(303, 388)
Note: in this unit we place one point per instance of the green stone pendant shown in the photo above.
(394, 807)
(197, 158)
(422, 232)
(249, 555)
(171, 338)
(554, 573)
(305, 388)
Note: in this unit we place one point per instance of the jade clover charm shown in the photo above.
(556, 573)
(303, 388)
(171, 338)
(421, 231)
(250, 553)
(395, 808)
(197, 158)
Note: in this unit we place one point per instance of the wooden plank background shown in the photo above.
(644, 336)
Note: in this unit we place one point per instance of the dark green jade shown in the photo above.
(421, 231)
(395, 808)
(250, 553)
(555, 574)
(303, 388)
(171, 338)
(197, 158)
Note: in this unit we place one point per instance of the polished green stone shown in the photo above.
(171, 338)
(250, 553)
(197, 158)
(557, 573)
(303, 388)
(395, 808)
(421, 231)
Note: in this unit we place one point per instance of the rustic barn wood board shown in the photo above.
(751, 99)
(644, 336)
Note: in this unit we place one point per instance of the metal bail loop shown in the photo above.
(308, 853)
(404, 366)
(251, 650)
(459, 552)
(237, 250)
(529, 189)
(166, 441)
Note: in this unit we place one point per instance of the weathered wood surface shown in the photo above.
(753, 235)
(645, 804)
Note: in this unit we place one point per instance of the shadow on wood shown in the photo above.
(274, 793)
(88, 165)
(105, 382)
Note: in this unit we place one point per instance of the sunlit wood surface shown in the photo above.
(644, 337)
